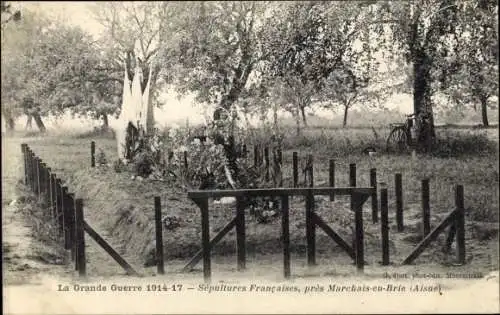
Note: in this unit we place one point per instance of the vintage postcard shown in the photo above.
(250, 157)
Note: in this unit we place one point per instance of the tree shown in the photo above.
(137, 32)
(53, 67)
(473, 74)
(421, 30)
(345, 87)
(313, 40)
(217, 47)
(355, 84)
(18, 42)
(74, 75)
(7, 15)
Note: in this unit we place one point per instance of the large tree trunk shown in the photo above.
(422, 104)
(484, 111)
(240, 78)
(344, 122)
(303, 113)
(39, 122)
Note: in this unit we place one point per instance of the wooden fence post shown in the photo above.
(352, 175)
(426, 210)
(295, 164)
(159, 237)
(32, 170)
(43, 177)
(331, 177)
(384, 225)
(35, 174)
(38, 176)
(359, 232)
(399, 201)
(266, 162)
(310, 162)
(49, 189)
(80, 238)
(460, 223)
(53, 197)
(28, 166)
(59, 207)
(71, 224)
(65, 217)
(205, 235)
(285, 232)
(24, 148)
(240, 234)
(280, 164)
(255, 155)
(92, 154)
(352, 180)
(310, 230)
(373, 183)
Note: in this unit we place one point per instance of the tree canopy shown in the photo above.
(255, 55)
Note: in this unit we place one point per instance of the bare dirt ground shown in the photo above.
(33, 269)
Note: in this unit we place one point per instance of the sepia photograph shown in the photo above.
(250, 157)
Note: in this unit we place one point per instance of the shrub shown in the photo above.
(455, 144)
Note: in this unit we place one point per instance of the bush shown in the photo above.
(456, 144)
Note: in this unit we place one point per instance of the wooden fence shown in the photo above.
(261, 156)
(454, 220)
(313, 220)
(66, 211)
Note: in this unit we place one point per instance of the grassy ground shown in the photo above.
(121, 209)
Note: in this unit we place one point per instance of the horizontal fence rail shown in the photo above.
(264, 192)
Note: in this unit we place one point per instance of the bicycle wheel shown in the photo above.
(397, 141)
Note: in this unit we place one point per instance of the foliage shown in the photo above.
(421, 31)
(454, 144)
(217, 48)
(137, 31)
(58, 66)
(310, 43)
(472, 78)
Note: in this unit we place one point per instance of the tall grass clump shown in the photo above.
(97, 132)
(336, 142)
(456, 144)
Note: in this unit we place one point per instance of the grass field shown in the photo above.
(121, 208)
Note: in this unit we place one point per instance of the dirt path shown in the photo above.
(24, 258)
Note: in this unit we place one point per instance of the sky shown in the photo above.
(78, 13)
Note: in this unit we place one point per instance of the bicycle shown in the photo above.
(400, 138)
